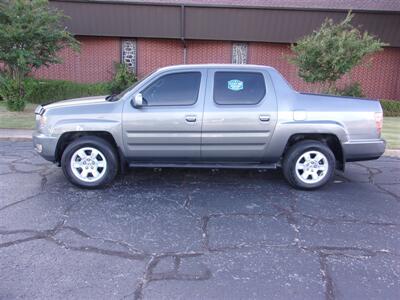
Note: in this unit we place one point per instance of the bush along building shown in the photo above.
(147, 35)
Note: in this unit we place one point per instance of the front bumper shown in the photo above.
(45, 145)
(364, 149)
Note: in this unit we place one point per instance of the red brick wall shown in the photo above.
(380, 78)
(274, 55)
(202, 52)
(156, 53)
(94, 62)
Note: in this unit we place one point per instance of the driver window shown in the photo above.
(173, 89)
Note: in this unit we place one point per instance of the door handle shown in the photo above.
(190, 118)
(264, 118)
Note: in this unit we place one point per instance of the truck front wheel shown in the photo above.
(309, 165)
(90, 162)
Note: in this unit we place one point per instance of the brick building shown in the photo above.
(150, 34)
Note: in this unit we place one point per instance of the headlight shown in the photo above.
(41, 121)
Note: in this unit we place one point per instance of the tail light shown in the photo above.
(379, 122)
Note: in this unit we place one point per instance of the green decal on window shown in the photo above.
(235, 85)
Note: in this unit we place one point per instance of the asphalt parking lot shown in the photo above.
(197, 234)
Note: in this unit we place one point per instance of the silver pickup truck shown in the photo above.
(209, 116)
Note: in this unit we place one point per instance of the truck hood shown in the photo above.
(76, 102)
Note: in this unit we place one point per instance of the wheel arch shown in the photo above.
(67, 137)
(330, 139)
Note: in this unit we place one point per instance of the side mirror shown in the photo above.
(138, 100)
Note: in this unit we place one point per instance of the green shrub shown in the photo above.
(46, 91)
(351, 90)
(123, 78)
(31, 35)
(10, 92)
(333, 50)
(390, 108)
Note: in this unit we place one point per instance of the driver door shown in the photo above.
(167, 127)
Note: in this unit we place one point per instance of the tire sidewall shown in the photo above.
(294, 154)
(101, 145)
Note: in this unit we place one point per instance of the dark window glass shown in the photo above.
(238, 87)
(173, 89)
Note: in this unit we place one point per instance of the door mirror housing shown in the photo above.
(138, 100)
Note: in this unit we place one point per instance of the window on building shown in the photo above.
(128, 54)
(173, 89)
(238, 88)
(239, 53)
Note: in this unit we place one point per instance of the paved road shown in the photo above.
(197, 234)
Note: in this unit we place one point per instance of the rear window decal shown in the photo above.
(235, 85)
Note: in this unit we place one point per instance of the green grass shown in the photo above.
(391, 108)
(20, 120)
(391, 132)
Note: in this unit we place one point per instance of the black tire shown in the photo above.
(104, 147)
(294, 154)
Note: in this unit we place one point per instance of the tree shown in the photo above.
(332, 51)
(31, 34)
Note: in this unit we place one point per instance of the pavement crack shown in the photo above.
(326, 277)
(20, 241)
(124, 244)
(185, 206)
(187, 202)
(50, 236)
(19, 201)
(289, 214)
(152, 263)
(206, 239)
(372, 172)
(316, 220)
(43, 182)
(177, 263)
(174, 274)
(96, 250)
(379, 187)
(263, 244)
(244, 214)
(78, 231)
(346, 251)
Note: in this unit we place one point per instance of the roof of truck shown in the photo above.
(217, 66)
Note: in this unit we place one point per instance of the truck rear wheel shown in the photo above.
(309, 165)
(90, 162)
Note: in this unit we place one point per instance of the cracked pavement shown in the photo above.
(197, 234)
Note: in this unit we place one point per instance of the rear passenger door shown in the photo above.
(240, 114)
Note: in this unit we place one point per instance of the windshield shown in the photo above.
(120, 95)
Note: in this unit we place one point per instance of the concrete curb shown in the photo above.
(392, 152)
(16, 139)
(15, 135)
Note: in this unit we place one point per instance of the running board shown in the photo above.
(204, 165)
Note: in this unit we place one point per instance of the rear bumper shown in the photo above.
(45, 145)
(364, 149)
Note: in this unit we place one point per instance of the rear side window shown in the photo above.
(240, 88)
(173, 89)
